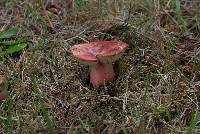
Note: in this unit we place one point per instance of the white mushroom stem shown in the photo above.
(101, 73)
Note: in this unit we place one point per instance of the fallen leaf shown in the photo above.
(53, 8)
(165, 130)
(37, 29)
(182, 86)
(187, 69)
(54, 11)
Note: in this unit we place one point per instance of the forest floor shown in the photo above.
(157, 87)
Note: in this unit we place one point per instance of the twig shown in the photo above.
(195, 55)
(136, 30)
(78, 35)
(172, 18)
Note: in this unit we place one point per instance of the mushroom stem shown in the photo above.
(101, 73)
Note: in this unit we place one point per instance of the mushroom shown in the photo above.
(99, 56)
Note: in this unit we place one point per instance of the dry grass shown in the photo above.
(49, 91)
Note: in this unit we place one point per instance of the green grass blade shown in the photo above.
(49, 121)
(8, 122)
(8, 34)
(13, 49)
(190, 129)
(180, 17)
(40, 101)
(178, 7)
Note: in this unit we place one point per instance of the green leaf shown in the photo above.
(12, 42)
(16, 48)
(13, 49)
(8, 34)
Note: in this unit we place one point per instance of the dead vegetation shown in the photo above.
(157, 88)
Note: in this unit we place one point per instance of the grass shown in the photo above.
(157, 85)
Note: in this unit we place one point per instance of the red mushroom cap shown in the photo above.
(103, 51)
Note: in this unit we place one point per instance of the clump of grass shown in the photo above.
(40, 104)
(8, 120)
(49, 90)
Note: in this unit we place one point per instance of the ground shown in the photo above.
(156, 89)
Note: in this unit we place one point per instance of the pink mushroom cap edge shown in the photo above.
(103, 51)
